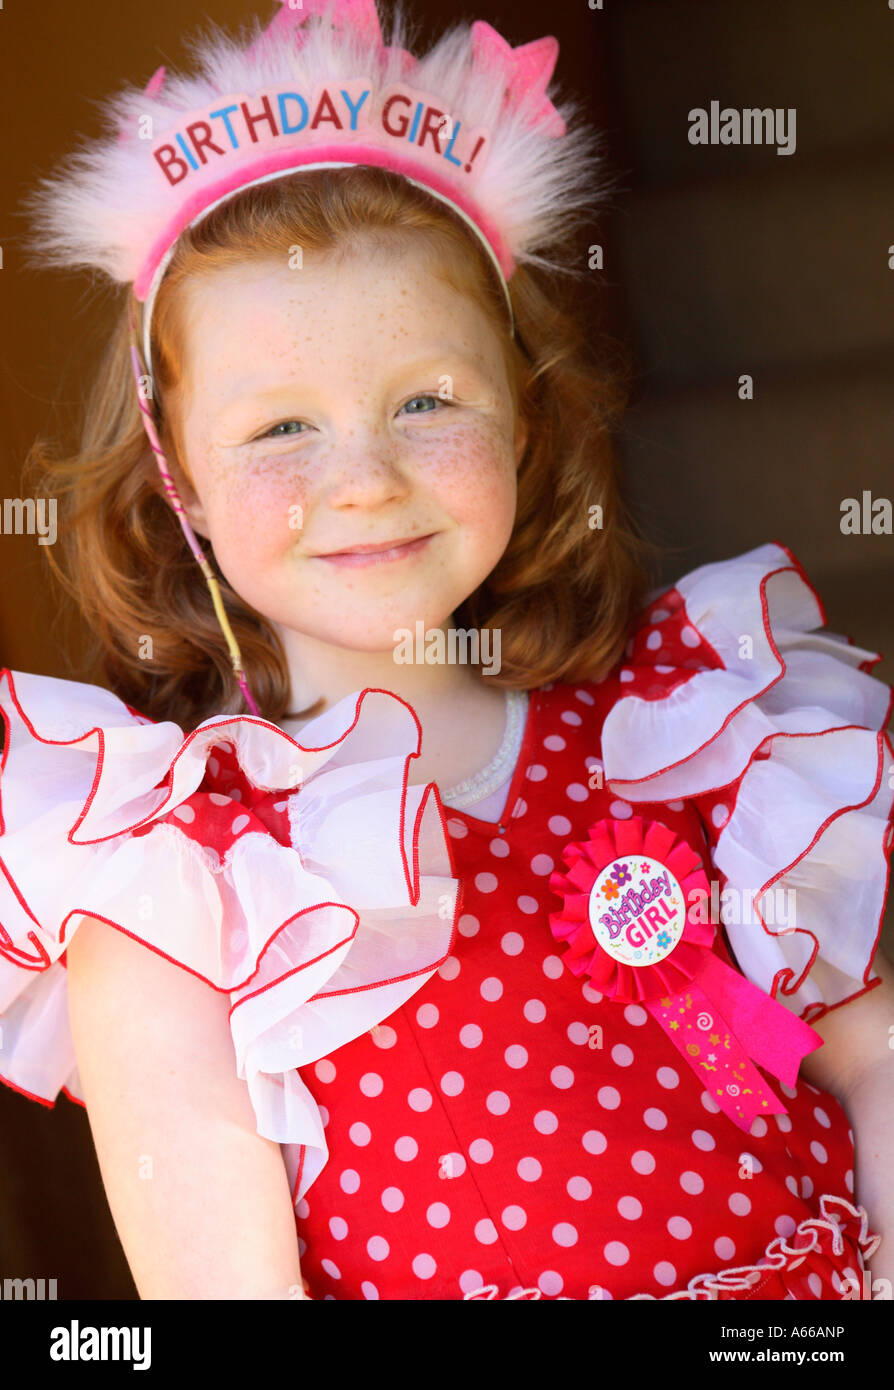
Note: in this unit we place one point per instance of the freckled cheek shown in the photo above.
(257, 509)
(474, 481)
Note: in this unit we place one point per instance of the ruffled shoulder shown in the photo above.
(308, 881)
(731, 695)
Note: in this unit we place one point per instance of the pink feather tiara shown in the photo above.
(470, 121)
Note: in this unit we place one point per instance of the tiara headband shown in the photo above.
(470, 122)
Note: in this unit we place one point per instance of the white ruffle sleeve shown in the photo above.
(314, 941)
(775, 729)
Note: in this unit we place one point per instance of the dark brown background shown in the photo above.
(719, 261)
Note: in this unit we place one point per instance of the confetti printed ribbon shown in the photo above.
(631, 921)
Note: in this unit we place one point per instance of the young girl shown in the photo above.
(520, 940)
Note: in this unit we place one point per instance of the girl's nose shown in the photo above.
(365, 472)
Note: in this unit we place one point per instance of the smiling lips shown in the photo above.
(383, 553)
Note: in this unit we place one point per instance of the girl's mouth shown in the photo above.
(381, 554)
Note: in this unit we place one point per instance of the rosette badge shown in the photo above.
(631, 922)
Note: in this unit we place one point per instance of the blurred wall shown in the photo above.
(719, 261)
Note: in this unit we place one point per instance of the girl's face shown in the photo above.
(350, 403)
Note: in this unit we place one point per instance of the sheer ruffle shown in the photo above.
(777, 731)
(315, 940)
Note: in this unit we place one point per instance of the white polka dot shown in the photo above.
(571, 716)
(369, 1290)
(675, 805)
(664, 1274)
(720, 815)
(497, 1102)
(578, 1033)
(550, 1283)
(240, 823)
(529, 1169)
(849, 1179)
(331, 1269)
(622, 1055)
(338, 1227)
(449, 969)
(594, 1142)
(562, 1077)
(659, 615)
(679, 1227)
(541, 865)
(424, 1266)
(302, 1209)
(187, 813)
(667, 1078)
(498, 848)
(527, 904)
(579, 1188)
(349, 1180)
(630, 1208)
(616, 1253)
(512, 943)
(552, 967)
(689, 637)
(469, 1280)
(709, 1103)
(536, 772)
(324, 1115)
(378, 1248)
(575, 791)
(516, 1056)
(535, 1011)
(481, 1151)
(451, 1165)
(643, 1162)
(692, 1182)
(565, 1234)
(324, 1071)
(486, 883)
(784, 1225)
(608, 1097)
(427, 1015)
(821, 1117)
(724, 1248)
(438, 1214)
(406, 1148)
(371, 1084)
(468, 925)
(703, 1140)
(815, 1285)
(452, 1083)
(559, 825)
(513, 1218)
(783, 1122)
(360, 1134)
(491, 989)
(626, 676)
(555, 743)
(655, 1118)
(419, 1099)
(739, 1204)
(818, 1152)
(457, 828)
(485, 1231)
(653, 641)
(591, 995)
(758, 1128)
(545, 1122)
(621, 810)
(635, 1015)
(392, 1199)
(470, 1035)
(384, 1035)
(235, 794)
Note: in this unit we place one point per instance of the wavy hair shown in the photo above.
(562, 595)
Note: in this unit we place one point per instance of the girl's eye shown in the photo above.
(271, 433)
(425, 396)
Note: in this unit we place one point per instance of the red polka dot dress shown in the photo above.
(445, 1010)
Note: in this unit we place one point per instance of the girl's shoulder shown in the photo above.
(732, 696)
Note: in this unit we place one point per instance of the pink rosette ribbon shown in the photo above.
(632, 921)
